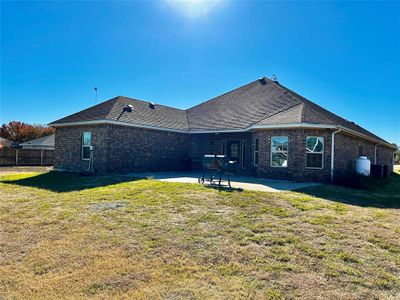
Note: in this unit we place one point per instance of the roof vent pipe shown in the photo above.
(128, 108)
(263, 81)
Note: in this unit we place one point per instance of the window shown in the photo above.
(279, 151)
(315, 152)
(243, 157)
(234, 150)
(360, 150)
(86, 143)
(256, 152)
(223, 148)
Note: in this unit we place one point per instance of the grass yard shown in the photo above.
(65, 236)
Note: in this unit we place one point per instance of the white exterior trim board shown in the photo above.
(252, 127)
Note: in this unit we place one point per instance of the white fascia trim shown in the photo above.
(293, 125)
(356, 133)
(111, 122)
(276, 126)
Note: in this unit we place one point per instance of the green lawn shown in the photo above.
(65, 236)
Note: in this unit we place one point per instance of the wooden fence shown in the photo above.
(26, 157)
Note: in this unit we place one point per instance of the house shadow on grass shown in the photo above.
(223, 188)
(67, 182)
(384, 195)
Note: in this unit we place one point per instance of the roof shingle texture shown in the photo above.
(261, 102)
(142, 114)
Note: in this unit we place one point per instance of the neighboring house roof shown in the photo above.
(46, 142)
(261, 103)
(4, 143)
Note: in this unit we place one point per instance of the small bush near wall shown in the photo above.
(358, 181)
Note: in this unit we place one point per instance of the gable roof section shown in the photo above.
(313, 113)
(241, 107)
(112, 110)
(289, 116)
(259, 103)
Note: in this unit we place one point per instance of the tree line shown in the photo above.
(19, 132)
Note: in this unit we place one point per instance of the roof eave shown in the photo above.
(250, 128)
(112, 122)
(364, 136)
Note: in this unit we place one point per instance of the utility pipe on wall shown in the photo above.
(333, 152)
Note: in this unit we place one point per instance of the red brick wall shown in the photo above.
(141, 149)
(296, 169)
(124, 149)
(347, 151)
(211, 144)
(384, 156)
(202, 144)
(68, 148)
(120, 149)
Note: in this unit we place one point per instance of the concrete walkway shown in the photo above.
(237, 182)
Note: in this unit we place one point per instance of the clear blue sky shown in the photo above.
(344, 56)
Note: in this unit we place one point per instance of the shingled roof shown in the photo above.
(260, 103)
(143, 114)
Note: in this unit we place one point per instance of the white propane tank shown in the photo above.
(363, 165)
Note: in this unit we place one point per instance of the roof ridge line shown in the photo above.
(148, 101)
(306, 101)
(112, 107)
(279, 112)
(222, 94)
(328, 114)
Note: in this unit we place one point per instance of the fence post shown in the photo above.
(41, 157)
(16, 157)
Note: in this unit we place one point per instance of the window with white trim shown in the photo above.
(86, 143)
(256, 155)
(279, 151)
(315, 152)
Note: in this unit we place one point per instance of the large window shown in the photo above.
(256, 157)
(315, 152)
(86, 143)
(279, 151)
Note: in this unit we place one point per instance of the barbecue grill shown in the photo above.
(216, 166)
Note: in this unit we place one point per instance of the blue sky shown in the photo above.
(344, 56)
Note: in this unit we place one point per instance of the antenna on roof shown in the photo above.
(95, 95)
(274, 78)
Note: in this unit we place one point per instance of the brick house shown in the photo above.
(270, 130)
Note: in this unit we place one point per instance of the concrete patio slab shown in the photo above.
(237, 182)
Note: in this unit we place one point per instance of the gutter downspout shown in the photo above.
(375, 151)
(333, 152)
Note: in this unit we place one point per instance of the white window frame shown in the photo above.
(83, 145)
(243, 154)
(322, 152)
(270, 160)
(256, 152)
